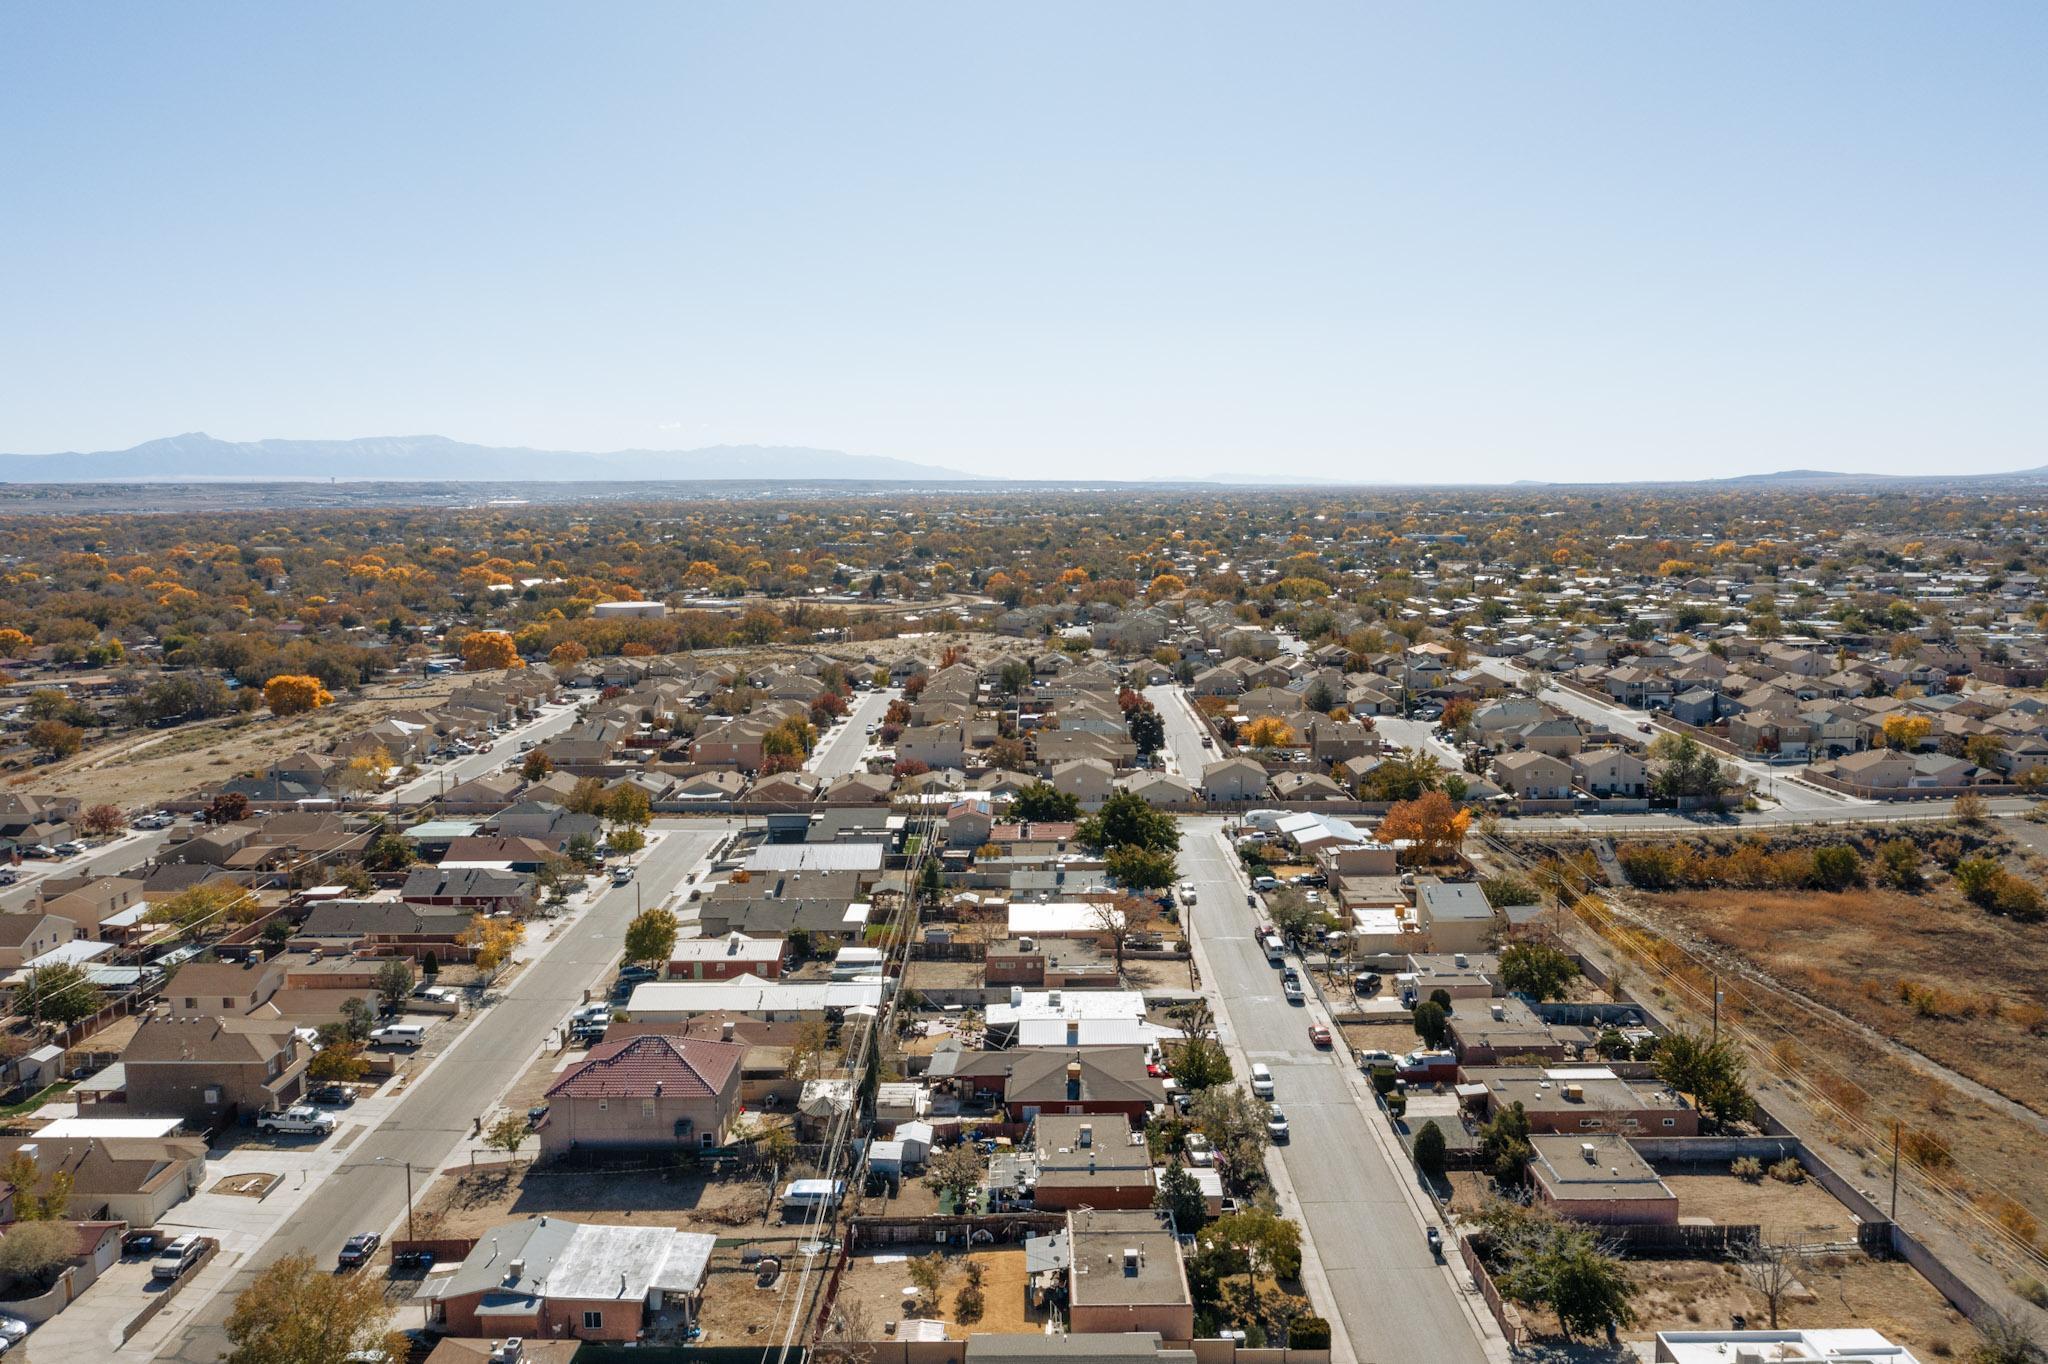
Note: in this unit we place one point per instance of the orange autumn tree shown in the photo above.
(489, 649)
(1432, 824)
(567, 654)
(295, 694)
(14, 642)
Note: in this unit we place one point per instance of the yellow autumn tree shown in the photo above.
(295, 694)
(1268, 731)
(567, 654)
(1166, 585)
(487, 650)
(14, 642)
(1906, 731)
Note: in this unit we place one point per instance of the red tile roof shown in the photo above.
(631, 1067)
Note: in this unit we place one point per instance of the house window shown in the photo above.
(704, 1140)
(212, 1095)
(647, 1108)
(1671, 1122)
(191, 1003)
(593, 1321)
(603, 1104)
(227, 1003)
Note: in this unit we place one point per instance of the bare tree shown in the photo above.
(1773, 1271)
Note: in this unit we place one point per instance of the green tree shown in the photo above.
(1199, 1062)
(1536, 969)
(1125, 820)
(1685, 769)
(931, 881)
(1042, 802)
(1712, 1073)
(651, 937)
(357, 1022)
(1432, 1024)
(60, 993)
(1148, 729)
(1589, 1290)
(626, 840)
(1504, 1144)
(1235, 1124)
(394, 982)
(1430, 1150)
(388, 852)
(1179, 1195)
(296, 1312)
(1140, 869)
(1406, 775)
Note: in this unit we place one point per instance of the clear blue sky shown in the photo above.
(1373, 241)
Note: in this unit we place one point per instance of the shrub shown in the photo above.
(1836, 867)
(1508, 890)
(1308, 1333)
(1788, 1171)
(1747, 1168)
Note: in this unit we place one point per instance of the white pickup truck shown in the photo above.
(297, 1120)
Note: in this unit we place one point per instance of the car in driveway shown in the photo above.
(357, 1250)
(332, 1096)
(1200, 1152)
(1318, 1035)
(299, 1120)
(175, 1258)
(13, 1331)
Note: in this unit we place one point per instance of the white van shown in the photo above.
(1276, 951)
(1262, 1081)
(406, 1035)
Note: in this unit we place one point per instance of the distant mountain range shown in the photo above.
(198, 457)
(1797, 478)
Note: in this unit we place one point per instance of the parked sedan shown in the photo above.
(1276, 1124)
(358, 1249)
(1318, 1034)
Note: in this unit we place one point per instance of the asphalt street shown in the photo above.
(1771, 782)
(841, 751)
(552, 721)
(117, 855)
(437, 1111)
(1391, 1299)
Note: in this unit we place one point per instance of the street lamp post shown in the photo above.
(386, 1160)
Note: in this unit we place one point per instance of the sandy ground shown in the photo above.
(878, 1279)
(1802, 1213)
(149, 768)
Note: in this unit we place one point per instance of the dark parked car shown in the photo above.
(334, 1096)
(411, 1263)
(357, 1250)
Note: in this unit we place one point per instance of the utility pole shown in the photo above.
(1717, 1008)
(1895, 1170)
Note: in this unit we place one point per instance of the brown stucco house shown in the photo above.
(211, 1070)
(650, 1090)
